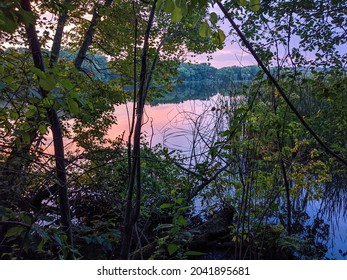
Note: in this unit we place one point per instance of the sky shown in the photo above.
(231, 54)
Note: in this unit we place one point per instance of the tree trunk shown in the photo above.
(133, 208)
(59, 156)
(18, 159)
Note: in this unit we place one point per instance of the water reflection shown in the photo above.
(334, 209)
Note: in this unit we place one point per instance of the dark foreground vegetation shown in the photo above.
(257, 157)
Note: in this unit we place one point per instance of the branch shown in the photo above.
(88, 38)
(200, 187)
(14, 223)
(278, 87)
(56, 46)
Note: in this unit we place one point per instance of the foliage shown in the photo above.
(285, 31)
(248, 151)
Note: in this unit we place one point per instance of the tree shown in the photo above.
(284, 31)
(147, 67)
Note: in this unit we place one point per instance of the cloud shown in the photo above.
(230, 55)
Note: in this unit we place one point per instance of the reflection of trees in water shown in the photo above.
(312, 233)
(336, 197)
(198, 90)
(334, 209)
(199, 124)
(322, 223)
(201, 81)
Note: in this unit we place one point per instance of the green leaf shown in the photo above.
(26, 138)
(160, 4)
(218, 37)
(73, 106)
(205, 29)
(239, 111)
(169, 6)
(38, 72)
(183, 5)
(221, 36)
(255, 5)
(26, 17)
(274, 206)
(25, 126)
(43, 128)
(165, 205)
(172, 248)
(213, 18)
(8, 21)
(48, 83)
(15, 231)
(59, 239)
(30, 112)
(66, 84)
(41, 244)
(14, 114)
(237, 185)
(203, 3)
(47, 101)
(179, 200)
(74, 95)
(242, 2)
(89, 104)
(181, 221)
(164, 226)
(152, 52)
(182, 209)
(177, 14)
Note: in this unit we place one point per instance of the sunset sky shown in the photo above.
(230, 55)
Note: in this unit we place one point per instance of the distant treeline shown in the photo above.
(200, 81)
(194, 81)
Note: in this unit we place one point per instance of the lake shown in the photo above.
(192, 125)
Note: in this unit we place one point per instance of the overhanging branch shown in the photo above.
(278, 87)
